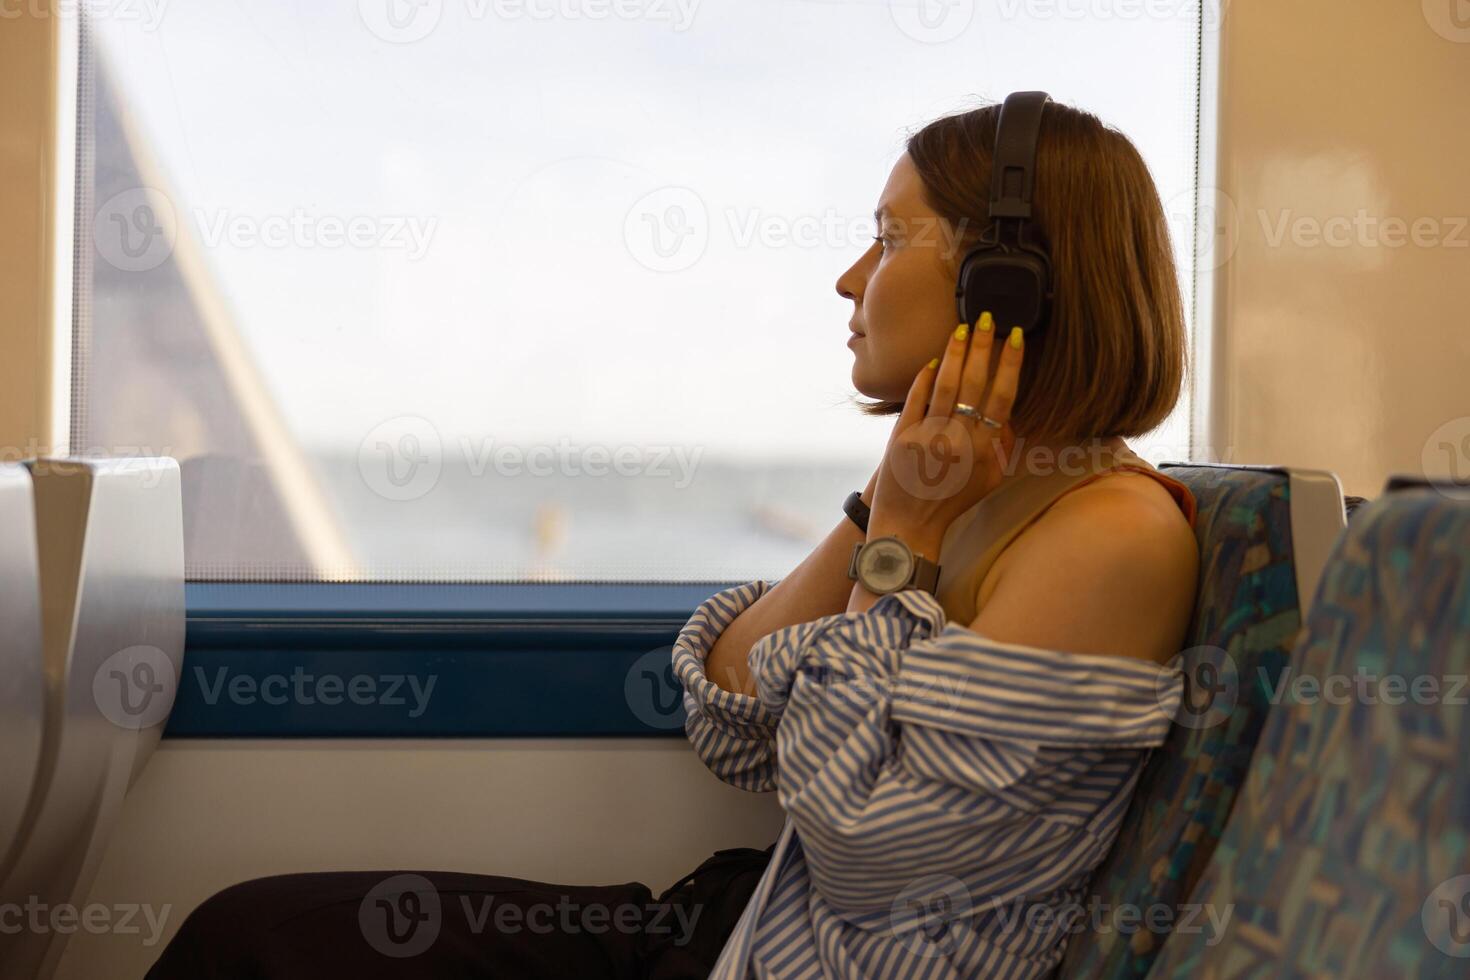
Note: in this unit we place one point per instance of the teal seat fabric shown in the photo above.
(1346, 853)
(1246, 620)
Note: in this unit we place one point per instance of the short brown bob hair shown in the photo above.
(1111, 356)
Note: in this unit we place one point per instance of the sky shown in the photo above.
(609, 221)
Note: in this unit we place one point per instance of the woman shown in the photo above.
(953, 765)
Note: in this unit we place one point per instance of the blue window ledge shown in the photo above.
(326, 660)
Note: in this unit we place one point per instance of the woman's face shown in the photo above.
(902, 289)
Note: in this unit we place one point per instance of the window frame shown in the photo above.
(516, 659)
(510, 660)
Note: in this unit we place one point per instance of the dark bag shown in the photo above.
(699, 912)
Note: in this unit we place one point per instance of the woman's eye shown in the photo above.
(881, 241)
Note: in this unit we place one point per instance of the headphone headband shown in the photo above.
(1008, 272)
(1013, 171)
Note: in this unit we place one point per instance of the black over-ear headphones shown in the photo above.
(1009, 272)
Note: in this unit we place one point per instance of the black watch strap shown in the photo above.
(854, 507)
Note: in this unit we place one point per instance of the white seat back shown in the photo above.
(111, 553)
(22, 687)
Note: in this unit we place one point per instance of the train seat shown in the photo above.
(112, 639)
(1264, 535)
(22, 684)
(1345, 852)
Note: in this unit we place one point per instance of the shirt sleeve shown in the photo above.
(732, 733)
(912, 747)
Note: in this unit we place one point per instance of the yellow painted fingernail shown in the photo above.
(986, 321)
(961, 330)
(934, 363)
(1016, 337)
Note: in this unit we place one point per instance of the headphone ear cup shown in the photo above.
(1012, 284)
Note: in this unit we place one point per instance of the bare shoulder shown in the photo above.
(1125, 500)
(1110, 568)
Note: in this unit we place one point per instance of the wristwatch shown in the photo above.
(886, 564)
(854, 507)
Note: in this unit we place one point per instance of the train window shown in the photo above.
(474, 290)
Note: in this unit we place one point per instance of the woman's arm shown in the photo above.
(726, 723)
(911, 746)
(818, 587)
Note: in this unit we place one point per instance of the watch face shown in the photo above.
(885, 565)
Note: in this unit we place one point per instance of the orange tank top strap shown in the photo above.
(975, 540)
(1182, 495)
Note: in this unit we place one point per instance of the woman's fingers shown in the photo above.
(918, 398)
(1007, 377)
(947, 383)
(977, 362)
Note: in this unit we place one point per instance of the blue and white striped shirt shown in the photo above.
(947, 796)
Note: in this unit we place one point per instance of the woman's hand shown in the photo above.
(939, 463)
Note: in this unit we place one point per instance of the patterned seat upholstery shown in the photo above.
(1346, 853)
(1247, 617)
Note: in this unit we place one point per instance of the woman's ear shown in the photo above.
(951, 255)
